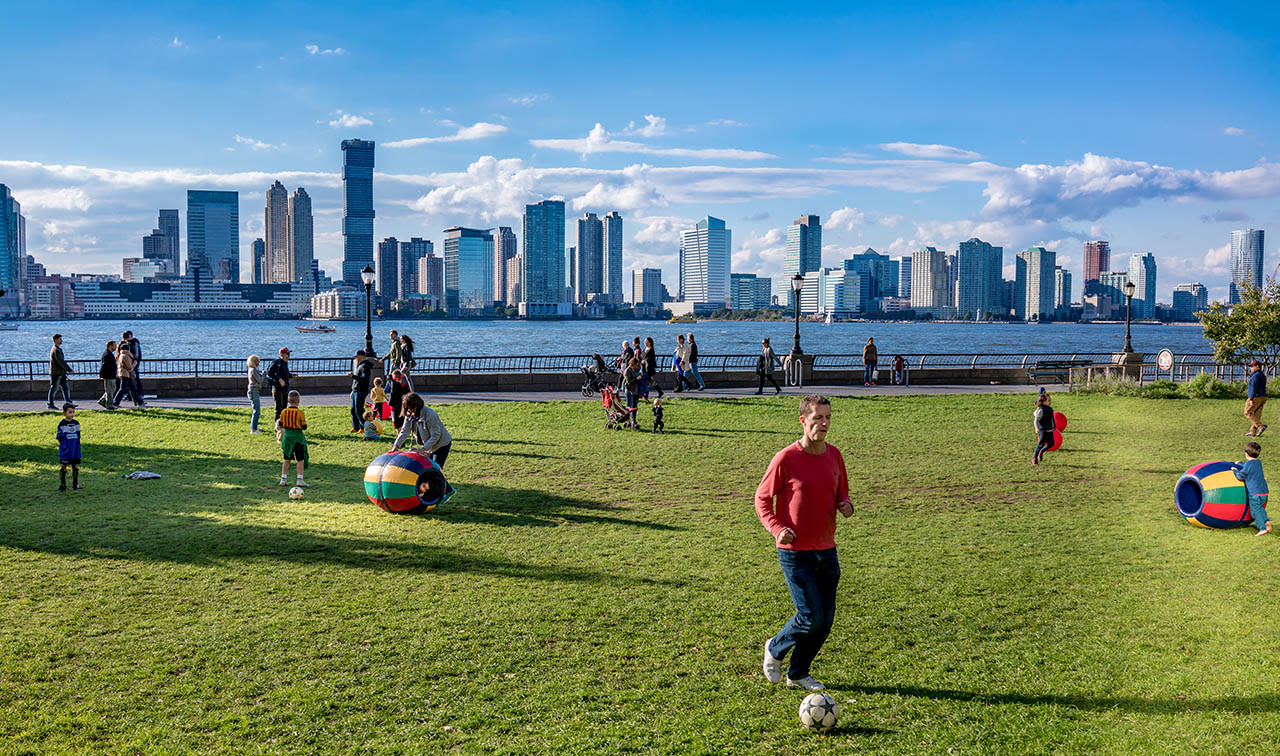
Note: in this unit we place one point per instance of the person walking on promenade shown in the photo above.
(678, 365)
(107, 371)
(869, 358)
(58, 372)
(257, 382)
(391, 360)
(1255, 486)
(766, 363)
(691, 365)
(135, 347)
(1257, 398)
(361, 374)
(406, 359)
(280, 378)
(125, 363)
(421, 423)
(797, 500)
(650, 364)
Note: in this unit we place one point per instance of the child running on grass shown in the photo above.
(69, 446)
(1255, 484)
(293, 442)
(372, 428)
(1044, 426)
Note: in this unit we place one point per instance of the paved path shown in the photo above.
(342, 400)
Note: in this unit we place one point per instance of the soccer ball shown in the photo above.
(819, 712)
(295, 493)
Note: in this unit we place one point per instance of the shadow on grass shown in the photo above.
(1239, 704)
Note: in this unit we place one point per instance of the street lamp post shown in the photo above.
(797, 283)
(1129, 288)
(367, 275)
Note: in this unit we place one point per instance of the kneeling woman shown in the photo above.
(421, 423)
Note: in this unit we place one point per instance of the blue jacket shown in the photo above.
(1250, 472)
(1257, 385)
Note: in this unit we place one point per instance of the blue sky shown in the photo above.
(1151, 125)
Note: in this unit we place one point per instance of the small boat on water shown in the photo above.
(316, 329)
(829, 320)
(682, 319)
(8, 326)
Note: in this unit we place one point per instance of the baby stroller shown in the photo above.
(596, 376)
(616, 412)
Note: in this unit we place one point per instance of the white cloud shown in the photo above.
(348, 120)
(256, 144)
(599, 140)
(480, 130)
(848, 218)
(654, 126)
(317, 50)
(528, 100)
(177, 43)
(1233, 131)
(724, 122)
(934, 151)
(1218, 259)
(70, 198)
(760, 253)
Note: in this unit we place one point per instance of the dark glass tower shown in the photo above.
(357, 208)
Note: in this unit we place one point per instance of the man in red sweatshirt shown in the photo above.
(804, 487)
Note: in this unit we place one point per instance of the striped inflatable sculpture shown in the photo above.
(1210, 496)
(406, 482)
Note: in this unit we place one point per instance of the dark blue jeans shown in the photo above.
(812, 577)
(868, 372)
(357, 410)
(59, 383)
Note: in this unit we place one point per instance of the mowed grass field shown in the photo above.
(591, 591)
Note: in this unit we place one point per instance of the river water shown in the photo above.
(84, 339)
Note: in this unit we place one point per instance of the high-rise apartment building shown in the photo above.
(276, 225)
(1188, 299)
(747, 291)
(704, 262)
(1246, 261)
(1111, 299)
(168, 223)
(1061, 291)
(213, 233)
(357, 208)
(646, 286)
(929, 281)
(259, 260)
(979, 270)
(542, 278)
(468, 271)
(1142, 271)
(1097, 259)
(302, 248)
(904, 276)
(804, 250)
(156, 247)
(1033, 284)
(410, 253)
(388, 268)
(590, 258)
(880, 272)
(504, 248)
(431, 278)
(612, 242)
(513, 280)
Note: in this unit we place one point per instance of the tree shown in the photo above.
(1249, 330)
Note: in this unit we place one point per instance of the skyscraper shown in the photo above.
(1142, 271)
(431, 278)
(1097, 259)
(1188, 299)
(880, 272)
(276, 225)
(1061, 291)
(1033, 286)
(978, 276)
(646, 286)
(613, 258)
(542, 278)
(904, 276)
(513, 279)
(156, 247)
(590, 258)
(929, 280)
(468, 269)
(11, 262)
(704, 268)
(259, 260)
(357, 208)
(804, 250)
(504, 248)
(213, 233)
(410, 253)
(302, 250)
(388, 280)
(1246, 261)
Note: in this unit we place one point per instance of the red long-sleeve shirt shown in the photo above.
(807, 488)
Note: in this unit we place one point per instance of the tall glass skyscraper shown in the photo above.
(590, 262)
(276, 226)
(804, 250)
(169, 227)
(504, 248)
(410, 253)
(704, 262)
(542, 279)
(1142, 271)
(979, 274)
(213, 233)
(11, 254)
(468, 270)
(387, 282)
(357, 208)
(302, 248)
(613, 258)
(1246, 261)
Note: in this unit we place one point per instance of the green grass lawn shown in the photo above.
(591, 591)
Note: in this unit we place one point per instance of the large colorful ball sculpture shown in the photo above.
(406, 482)
(1210, 496)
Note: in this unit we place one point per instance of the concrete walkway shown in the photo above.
(342, 400)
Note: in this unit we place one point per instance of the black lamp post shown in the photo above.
(797, 283)
(367, 275)
(1129, 288)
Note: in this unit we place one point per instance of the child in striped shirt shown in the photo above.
(293, 442)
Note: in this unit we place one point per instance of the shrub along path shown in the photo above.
(592, 591)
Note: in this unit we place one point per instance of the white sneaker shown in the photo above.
(301, 484)
(807, 682)
(772, 665)
(283, 482)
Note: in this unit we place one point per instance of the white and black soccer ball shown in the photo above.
(295, 492)
(819, 712)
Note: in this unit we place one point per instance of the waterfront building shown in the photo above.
(929, 282)
(764, 292)
(1246, 261)
(612, 243)
(542, 272)
(410, 253)
(513, 280)
(387, 282)
(1097, 258)
(839, 292)
(276, 234)
(953, 270)
(978, 278)
(431, 277)
(195, 294)
(468, 271)
(646, 286)
(1033, 286)
(259, 260)
(1188, 299)
(52, 297)
(357, 208)
(213, 233)
(168, 224)
(590, 262)
(704, 269)
(1110, 299)
(1061, 292)
(804, 250)
(571, 287)
(904, 277)
(155, 246)
(302, 251)
(742, 291)
(504, 248)
(12, 254)
(139, 269)
(1142, 271)
(880, 273)
(341, 303)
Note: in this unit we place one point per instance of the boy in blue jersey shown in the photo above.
(69, 446)
(1255, 485)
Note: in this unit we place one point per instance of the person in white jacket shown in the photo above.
(421, 423)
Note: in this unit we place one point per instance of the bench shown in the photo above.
(1056, 369)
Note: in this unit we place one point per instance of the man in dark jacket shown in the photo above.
(108, 373)
(361, 375)
(136, 349)
(1257, 398)
(692, 367)
(280, 377)
(58, 372)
